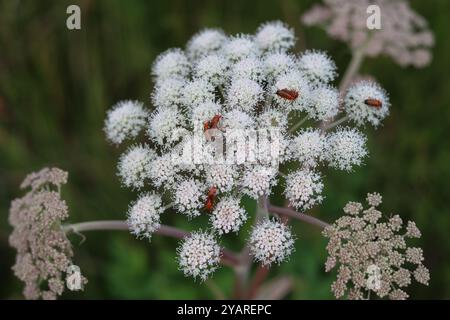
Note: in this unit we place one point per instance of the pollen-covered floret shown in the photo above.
(168, 92)
(199, 255)
(346, 148)
(317, 66)
(304, 189)
(163, 171)
(197, 91)
(206, 42)
(125, 120)
(222, 176)
(308, 147)
(244, 94)
(170, 64)
(324, 103)
(134, 166)
(212, 68)
(236, 119)
(258, 181)
(163, 124)
(144, 215)
(228, 216)
(278, 63)
(275, 36)
(189, 195)
(366, 101)
(271, 241)
(240, 47)
(249, 68)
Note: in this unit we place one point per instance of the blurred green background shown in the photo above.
(56, 85)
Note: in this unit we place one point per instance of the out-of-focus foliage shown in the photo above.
(56, 84)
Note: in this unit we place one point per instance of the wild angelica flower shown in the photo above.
(237, 119)
(229, 115)
(271, 242)
(275, 36)
(324, 103)
(125, 120)
(276, 64)
(197, 91)
(189, 197)
(168, 92)
(346, 148)
(144, 215)
(199, 255)
(228, 216)
(366, 101)
(309, 147)
(162, 124)
(297, 82)
(43, 251)
(172, 63)
(249, 69)
(212, 68)
(134, 166)
(258, 181)
(317, 66)
(240, 47)
(206, 110)
(244, 94)
(163, 170)
(304, 189)
(222, 176)
(371, 254)
(404, 35)
(207, 41)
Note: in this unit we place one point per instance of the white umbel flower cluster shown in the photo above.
(347, 148)
(188, 196)
(228, 113)
(125, 120)
(308, 147)
(199, 255)
(275, 36)
(366, 102)
(304, 189)
(271, 242)
(317, 66)
(144, 215)
(134, 166)
(228, 216)
(258, 181)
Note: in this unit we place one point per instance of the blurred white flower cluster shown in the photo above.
(226, 121)
(404, 35)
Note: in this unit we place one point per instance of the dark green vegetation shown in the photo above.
(55, 86)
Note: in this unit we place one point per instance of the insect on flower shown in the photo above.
(211, 124)
(209, 204)
(287, 94)
(373, 103)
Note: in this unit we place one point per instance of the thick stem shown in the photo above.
(228, 258)
(298, 215)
